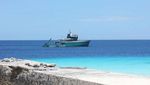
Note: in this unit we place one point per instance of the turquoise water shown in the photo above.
(129, 65)
(125, 56)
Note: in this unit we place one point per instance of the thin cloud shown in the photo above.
(107, 19)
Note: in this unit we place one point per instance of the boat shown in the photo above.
(70, 41)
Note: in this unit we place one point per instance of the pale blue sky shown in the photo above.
(90, 19)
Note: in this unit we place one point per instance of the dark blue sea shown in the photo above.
(125, 56)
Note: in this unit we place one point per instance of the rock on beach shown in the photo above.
(25, 72)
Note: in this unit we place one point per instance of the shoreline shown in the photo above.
(47, 73)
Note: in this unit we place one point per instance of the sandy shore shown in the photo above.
(101, 78)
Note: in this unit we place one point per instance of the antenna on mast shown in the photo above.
(69, 31)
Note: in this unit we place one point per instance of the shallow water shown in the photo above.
(130, 65)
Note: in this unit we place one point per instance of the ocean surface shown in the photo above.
(123, 56)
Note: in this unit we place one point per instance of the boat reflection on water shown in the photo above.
(70, 41)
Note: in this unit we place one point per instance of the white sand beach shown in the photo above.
(99, 77)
